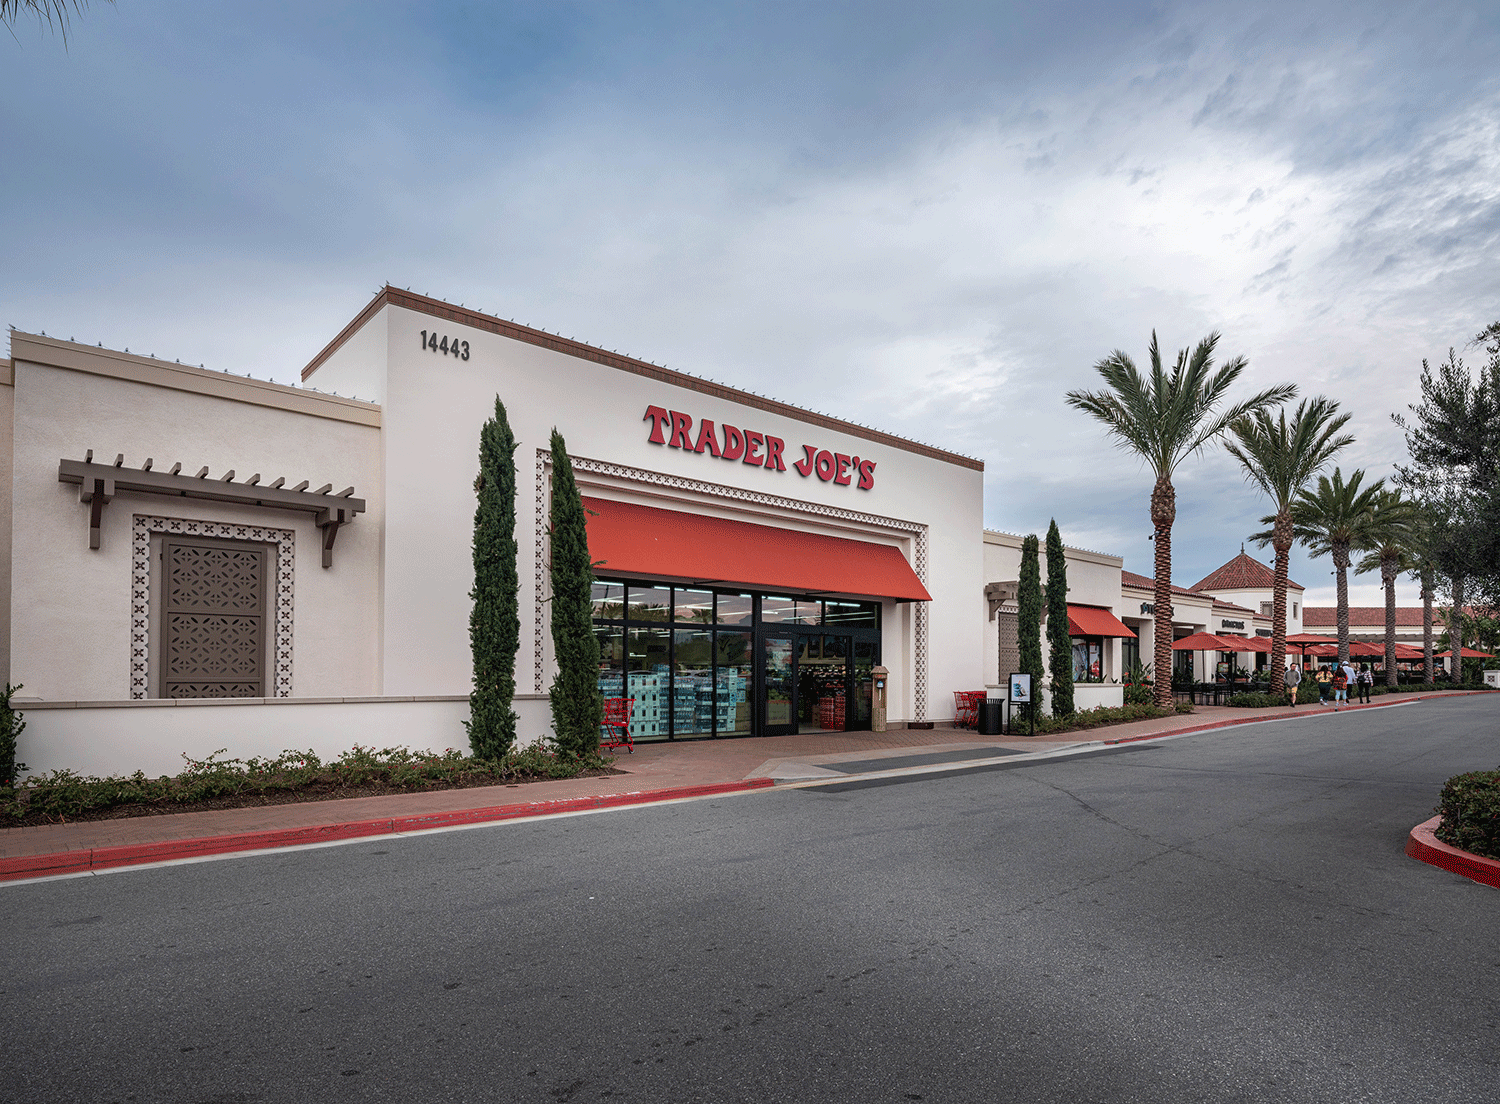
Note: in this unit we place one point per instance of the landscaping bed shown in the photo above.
(1103, 715)
(292, 777)
(1470, 807)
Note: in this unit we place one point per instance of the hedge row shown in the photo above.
(63, 793)
(1100, 715)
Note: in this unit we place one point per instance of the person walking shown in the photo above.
(1340, 687)
(1324, 679)
(1364, 680)
(1291, 680)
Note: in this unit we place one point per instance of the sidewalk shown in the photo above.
(650, 770)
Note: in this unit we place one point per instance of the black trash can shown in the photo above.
(991, 717)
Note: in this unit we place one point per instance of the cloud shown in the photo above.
(932, 219)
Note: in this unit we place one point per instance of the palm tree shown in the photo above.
(1332, 521)
(54, 13)
(1280, 459)
(1164, 418)
(1388, 540)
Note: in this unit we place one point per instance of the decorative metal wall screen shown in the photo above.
(1008, 626)
(213, 619)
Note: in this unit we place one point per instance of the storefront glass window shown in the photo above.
(864, 614)
(865, 654)
(650, 683)
(673, 652)
(736, 609)
(734, 676)
(1088, 659)
(693, 683)
(609, 600)
(648, 603)
(693, 606)
(611, 660)
(790, 611)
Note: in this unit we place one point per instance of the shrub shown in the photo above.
(11, 724)
(494, 621)
(1470, 807)
(1099, 715)
(1138, 693)
(61, 794)
(1254, 700)
(1060, 659)
(577, 705)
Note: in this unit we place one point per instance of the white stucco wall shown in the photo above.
(1252, 598)
(102, 739)
(70, 625)
(434, 408)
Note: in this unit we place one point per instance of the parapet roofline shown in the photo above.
(99, 361)
(436, 308)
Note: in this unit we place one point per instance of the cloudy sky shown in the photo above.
(934, 218)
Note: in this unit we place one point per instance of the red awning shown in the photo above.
(1093, 621)
(644, 540)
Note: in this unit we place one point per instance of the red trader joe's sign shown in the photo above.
(675, 430)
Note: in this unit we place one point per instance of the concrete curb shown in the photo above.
(1423, 845)
(1290, 714)
(84, 860)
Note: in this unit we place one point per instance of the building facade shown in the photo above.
(187, 546)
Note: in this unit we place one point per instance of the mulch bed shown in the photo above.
(313, 791)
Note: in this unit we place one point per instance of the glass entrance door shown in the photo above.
(822, 683)
(778, 685)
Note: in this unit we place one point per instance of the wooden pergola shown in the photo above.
(99, 483)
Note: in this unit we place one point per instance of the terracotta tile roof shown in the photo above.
(1327, 617)
(1142, 582)
(1242, 573)
(1219, 603)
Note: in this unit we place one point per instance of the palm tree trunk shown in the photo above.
(1341, 564)
(1388, 576)
(1427, 582)
(1163, 513)
(1281, 540)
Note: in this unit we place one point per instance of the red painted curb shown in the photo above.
(1416, 698)
(1422, 844)
(97, 858)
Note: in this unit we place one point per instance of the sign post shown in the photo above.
(1020, 694)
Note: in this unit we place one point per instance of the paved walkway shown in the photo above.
(652, 767)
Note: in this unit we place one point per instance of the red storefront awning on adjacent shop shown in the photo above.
(646, 540)
(1093, 621)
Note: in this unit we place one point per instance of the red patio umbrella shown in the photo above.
(1362, 648)
(1468, 653)
(1406, 651)
(1253, 644)
(1203, 642)
(1299, 642)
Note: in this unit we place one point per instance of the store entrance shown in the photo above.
(817, 681)
(698, 661)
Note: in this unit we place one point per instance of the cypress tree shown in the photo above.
(1058, 636)
(1029, 620)
(577, 706)
(495, 620)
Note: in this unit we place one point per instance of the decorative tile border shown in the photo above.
(917, 531)
(140, 590)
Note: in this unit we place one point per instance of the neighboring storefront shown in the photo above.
(185, 536)
(1099, 637)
